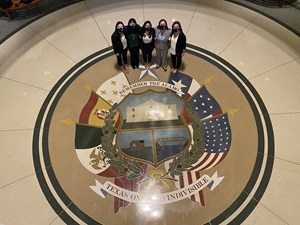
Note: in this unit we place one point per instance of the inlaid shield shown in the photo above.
(153, 129)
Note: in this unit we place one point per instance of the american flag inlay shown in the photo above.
(217, 134)
(217, 131)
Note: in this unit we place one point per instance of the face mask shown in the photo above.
(161, 27)
(175, 30)
(147, 28)
(132, 27)
(120, 29)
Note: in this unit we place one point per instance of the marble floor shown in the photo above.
(39, 56)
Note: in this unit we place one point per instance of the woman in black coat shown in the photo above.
(147, 42)
(133, 36)
(119, 43)
(178, 46)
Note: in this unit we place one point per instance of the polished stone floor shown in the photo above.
(34, 59)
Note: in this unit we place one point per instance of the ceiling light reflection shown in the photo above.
(150, 211)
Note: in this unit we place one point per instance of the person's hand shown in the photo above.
(117, 54)
(182, 54)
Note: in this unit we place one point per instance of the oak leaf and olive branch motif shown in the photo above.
(185, 161)
(125, 166)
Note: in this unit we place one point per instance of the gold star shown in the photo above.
(115, 92)
(113, 82)
(67, 121)
(124, 85)
(110, 101)
(103, 92)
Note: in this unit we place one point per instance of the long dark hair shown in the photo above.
(144, 29)
(137, 27)
(116, 27)
(180, 29)
(131, 20)
(165, 22)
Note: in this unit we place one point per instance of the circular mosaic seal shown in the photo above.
(149, 146)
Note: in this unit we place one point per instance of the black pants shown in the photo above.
(176, 61)
(147, 52)
(122, 55)
(134, 57)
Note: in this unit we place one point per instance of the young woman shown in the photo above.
(133, 36)
(119, 44)
(178, 46)
(162, 43)
(147, 43)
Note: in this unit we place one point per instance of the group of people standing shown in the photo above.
(133, 37)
